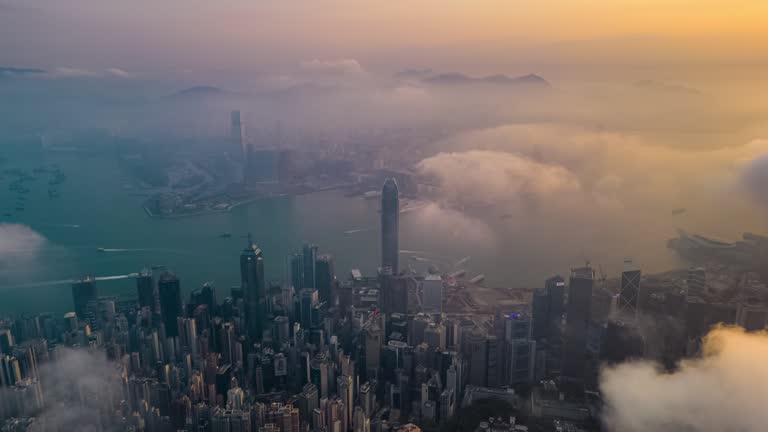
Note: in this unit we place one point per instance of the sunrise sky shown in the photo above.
(256, 34)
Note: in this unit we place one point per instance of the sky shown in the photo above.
(249, 36)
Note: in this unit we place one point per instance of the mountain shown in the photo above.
(461, 79)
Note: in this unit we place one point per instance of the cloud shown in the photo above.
(118, 73)
(335, 66)
(70, 72)
(482, 177)
(78, 385)
(721, 391)
(437, 221)
(20, 247)
(754, 178)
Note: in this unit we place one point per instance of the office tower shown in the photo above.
(519, 350)
(324, 277)
(577, 324)
(554, 288)
(83, 291)
(307, 301)
(254, 290)
(434, 336)
(622, 341)
(432, 294)
(394, 293)
(477, 353)
(238, 131)
(309, 401)
(296, 268)
(390, 214)
(629, 294)
(145, 287)
(310, 256)
(6, 341)
(170, 302)
(540, 313)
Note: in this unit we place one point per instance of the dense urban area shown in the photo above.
(346, 351)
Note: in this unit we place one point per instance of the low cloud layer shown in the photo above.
(20, 248)
(755, 179)
(77, 387)
(334, 66)
(721, 391)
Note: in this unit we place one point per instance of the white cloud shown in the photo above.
(20, 247)
(722, 391)
(334, 66)
(70, 72)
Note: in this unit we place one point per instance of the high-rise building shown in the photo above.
(83, 291)
(324, 277)
(145, 288)
(555, 291)
(432, 294)
(390, 215)
(629, 294)
(393, 297)
(310, 257)
(577, 325)
(238, 131)
(170, 302)
(296, 268)
(254, 290)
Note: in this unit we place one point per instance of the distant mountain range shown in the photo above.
(461, 79)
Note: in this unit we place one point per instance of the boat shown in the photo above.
(101, 249)
(372, 194)
(19, 208)
(225, 235)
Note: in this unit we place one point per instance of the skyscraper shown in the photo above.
(170, 302)
(254, 289)
(296, 267)
(324, 277)
(310, 256)
(238, 132)
(390, 214)
(577, 324)
(83, 291)
(630, 293)
(146, 291)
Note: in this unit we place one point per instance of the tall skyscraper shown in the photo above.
(296, 267)
(171, 307)
(238, 132)
(390, 215)
(310, 256)
(577, 324)
(324, 277)
(254, 289)
(629, 295)
(145, 287)
(83, 291)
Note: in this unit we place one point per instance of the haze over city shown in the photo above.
(383, 216)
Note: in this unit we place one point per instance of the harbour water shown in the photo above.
(97, 208)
